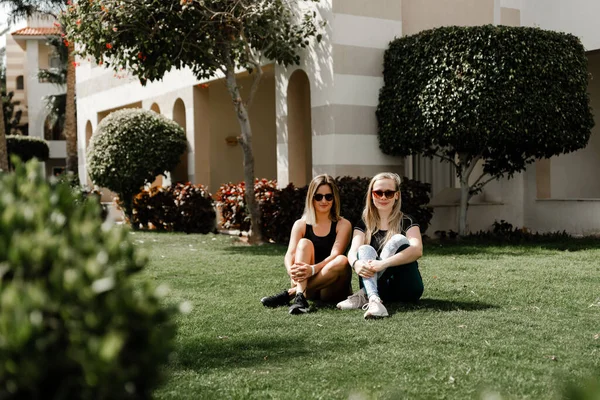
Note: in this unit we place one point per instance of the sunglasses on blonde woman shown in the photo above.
(319, 196)
(388, 194)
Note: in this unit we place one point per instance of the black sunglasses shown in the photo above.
(388, 194)
(319, 196)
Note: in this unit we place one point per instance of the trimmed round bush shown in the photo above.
(73, 322)
(130, 148)
(27, 147)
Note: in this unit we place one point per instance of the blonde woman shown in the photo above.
(315, 258)
(385, 248)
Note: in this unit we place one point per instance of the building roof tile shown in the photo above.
(28, 31)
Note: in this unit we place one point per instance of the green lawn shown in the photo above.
(494, 322)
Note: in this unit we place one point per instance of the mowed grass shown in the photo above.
(507, 322)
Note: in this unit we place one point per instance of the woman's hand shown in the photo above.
(300, 271)
(377, 265)
(363, 269)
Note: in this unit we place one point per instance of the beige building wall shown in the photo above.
(575, 175)
(579, 17)
(16, 66)
(345, 74)
(418, 15)
(228, 165)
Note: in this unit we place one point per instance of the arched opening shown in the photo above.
(88, 134)
(180, 173)
(299, 129)
(154, 107)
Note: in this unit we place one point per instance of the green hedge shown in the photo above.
(177, 208)
(27, 147)
(75, 321)
(506, 94)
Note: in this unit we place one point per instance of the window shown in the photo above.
(20, 83)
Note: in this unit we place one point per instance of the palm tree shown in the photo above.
(27, 8)
(56, 103)
(3, 150)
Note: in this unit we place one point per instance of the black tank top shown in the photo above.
(323, 244)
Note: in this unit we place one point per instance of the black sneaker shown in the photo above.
(300, 305)
(277, 300)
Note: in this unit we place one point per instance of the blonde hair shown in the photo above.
(309, 208)
(370, 214)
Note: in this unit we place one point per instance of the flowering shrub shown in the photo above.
(154, 208)
(179, 208)
(195, 209)
(230, 199)
(281, 213)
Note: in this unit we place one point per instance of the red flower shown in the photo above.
(57, 24)
(140, 55)
(78, 22)
(66, 42)
(69, 2)
(108, 46)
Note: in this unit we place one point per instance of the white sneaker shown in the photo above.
(354, 302)
(375, 309)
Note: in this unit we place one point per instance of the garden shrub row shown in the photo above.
(190, 208)
(27, 147)
(179, 208)
(281, 207)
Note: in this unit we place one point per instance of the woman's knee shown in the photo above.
(367, 252)
(305, 244)
(338, 264)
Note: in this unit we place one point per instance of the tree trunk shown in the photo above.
(255, 234)
(3, 149)
(466, 166)
(70, 122)
(464, 203)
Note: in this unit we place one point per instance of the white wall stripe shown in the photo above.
(350, 150)
(353, 30)
(511, 4)
(357, 90)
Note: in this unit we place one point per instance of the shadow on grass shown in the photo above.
(423, 304)
(471, 247)
(439, 305)
(239, 353)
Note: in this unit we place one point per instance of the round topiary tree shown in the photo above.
(503, 96)
(73, 323)
(130, 148)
